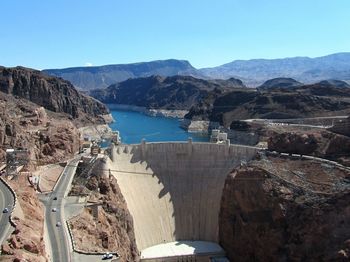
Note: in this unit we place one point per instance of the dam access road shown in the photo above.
(6, 201)
(58, 235)
(173, 191)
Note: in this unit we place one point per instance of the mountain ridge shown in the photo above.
(253, 72)
(54, 94)
(88, 78)
(303, 69)
(171, 93)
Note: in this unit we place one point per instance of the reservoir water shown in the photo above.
(133, 126)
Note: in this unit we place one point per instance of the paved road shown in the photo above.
(58, 236)
(6, 200)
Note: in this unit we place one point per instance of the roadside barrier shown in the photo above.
(307, 157)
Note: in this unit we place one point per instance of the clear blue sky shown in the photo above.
(65, 33)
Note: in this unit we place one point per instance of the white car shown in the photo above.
(6, 210)
(107, 256)
(54, 209)
(58, 224)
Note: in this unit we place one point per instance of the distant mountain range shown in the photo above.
(303, 69)
(252, 72)
(93, 77)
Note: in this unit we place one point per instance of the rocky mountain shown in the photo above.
(43, 114)
(49, 136)
(52, 93)
(174, 92)
(304, 69)
(280, 82)
(94, 77)
(304, 101)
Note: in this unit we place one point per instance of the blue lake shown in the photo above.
(133, 126)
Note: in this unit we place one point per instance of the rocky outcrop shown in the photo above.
(298, 143)
(281, 82)
(49, 137)
(26, 243)
(342, 127)
(156, 92)
(52, 93)
(286, 210)
(113, 230)
(322, 144)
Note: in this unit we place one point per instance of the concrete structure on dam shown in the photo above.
(173, 191)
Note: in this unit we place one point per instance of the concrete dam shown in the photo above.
(173, 191)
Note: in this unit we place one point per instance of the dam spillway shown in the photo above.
(173, 190)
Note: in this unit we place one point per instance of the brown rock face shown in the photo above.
(54, 94)
(49, 138)
(342, 127)
(286, 210)
(322, 144)
(293, 143)
(113, 229)
(26, 242)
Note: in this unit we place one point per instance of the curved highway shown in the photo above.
(6, 201)
(58, 234)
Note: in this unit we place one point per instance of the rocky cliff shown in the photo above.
(156, 92)
(52, 93)
(317, 143)
(286, 210)
(49, 137)
(26, 243)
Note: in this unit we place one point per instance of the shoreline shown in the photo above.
(191, 126)
(174, 113)
(198, 126)
(96, 132)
